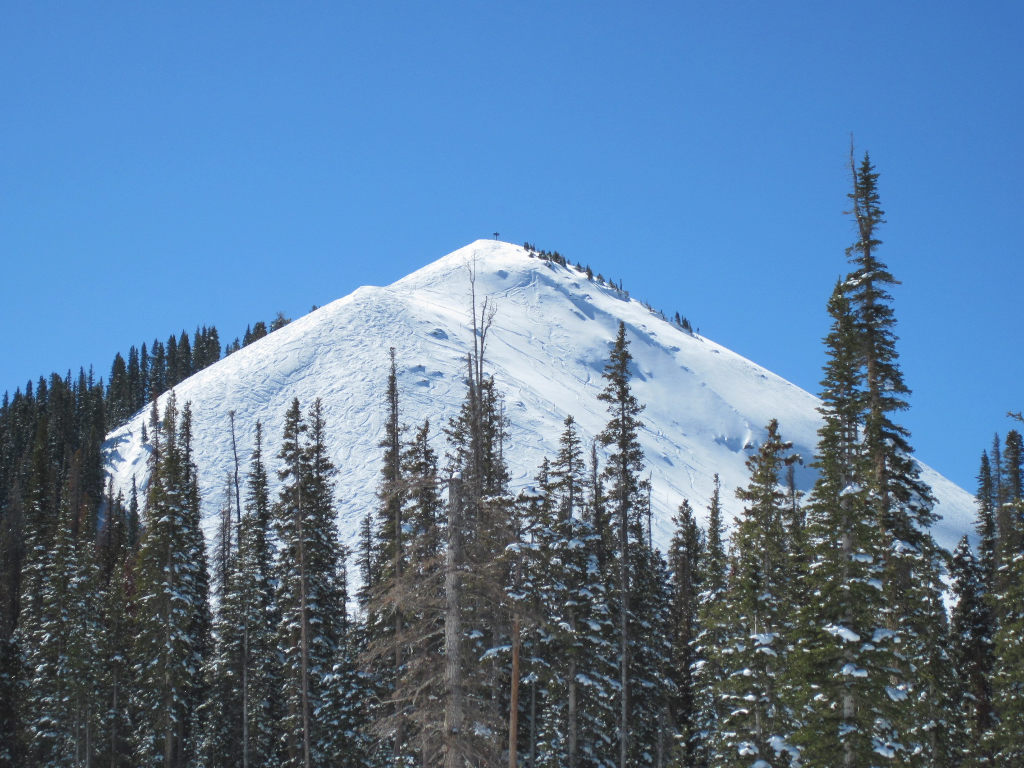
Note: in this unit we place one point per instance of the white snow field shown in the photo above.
(706, 407)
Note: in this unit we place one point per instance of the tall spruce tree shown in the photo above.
(75, 597)
(477, 613)
(387, 559)
(119, 394)
(1007, 481)
(845, 643)
(115, 646)
(971, 651)
(481, 532)
(58, 636)
(419, 684)
(640, 593)
(985, 527)
(317, 676)
(574, 657)
(1013, 466)
(597, 515)
(245, 707)
(757, 719)
(901, 500)
(1007, 739)
(876, 681)
(578, 644)
(172, 621)
(31, 609)
(623, 471)
(685, 560)
(712, 625)
(1006, 601)
(135, 401)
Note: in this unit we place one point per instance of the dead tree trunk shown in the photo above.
(454, 714)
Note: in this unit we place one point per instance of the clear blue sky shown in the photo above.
(166, 165)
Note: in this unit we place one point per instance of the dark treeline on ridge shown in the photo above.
(558, 258)
(483, 627)
(149, 371)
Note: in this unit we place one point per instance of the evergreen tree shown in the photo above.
(573, 658)
(316, 677)
(971, 651)
(173, 365)
(50, 471)
(172, 620)
(567, 474)
(757, 721)
(639, 592)
(841, 637)
(386, 560)
(157, 370)
(712, 625)
(1008, 665)
(996, 460)
(1006, 602)
(184, 360)
(902, 502)
(142, 394)
(134, 399)
(985, 527)
(419, 687)
(58, 633)
(531, 525)
(424, 510)
(476, 587)
(874, 679)
(715, 573)
(477, 615)
(366, 561)
(1013, 476)
(685, 560)
(243, 726)
(119, 393)
(259, 330)
(293, 586)
(116, 641)
(74, 596)
(624, 470)
(32, 610)
(1009, 534)
(897, 491)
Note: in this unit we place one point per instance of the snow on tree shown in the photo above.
(171, 610)
(318, 682)
(756, 716)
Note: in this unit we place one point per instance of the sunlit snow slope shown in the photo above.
(706, 407)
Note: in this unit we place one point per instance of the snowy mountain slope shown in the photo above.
(706, 407)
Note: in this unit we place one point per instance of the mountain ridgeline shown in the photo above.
(500, 513)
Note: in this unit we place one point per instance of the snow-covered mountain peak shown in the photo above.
(706, 407)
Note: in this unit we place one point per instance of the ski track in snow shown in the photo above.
(705, 407)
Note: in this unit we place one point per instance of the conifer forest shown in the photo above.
(475, 626)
